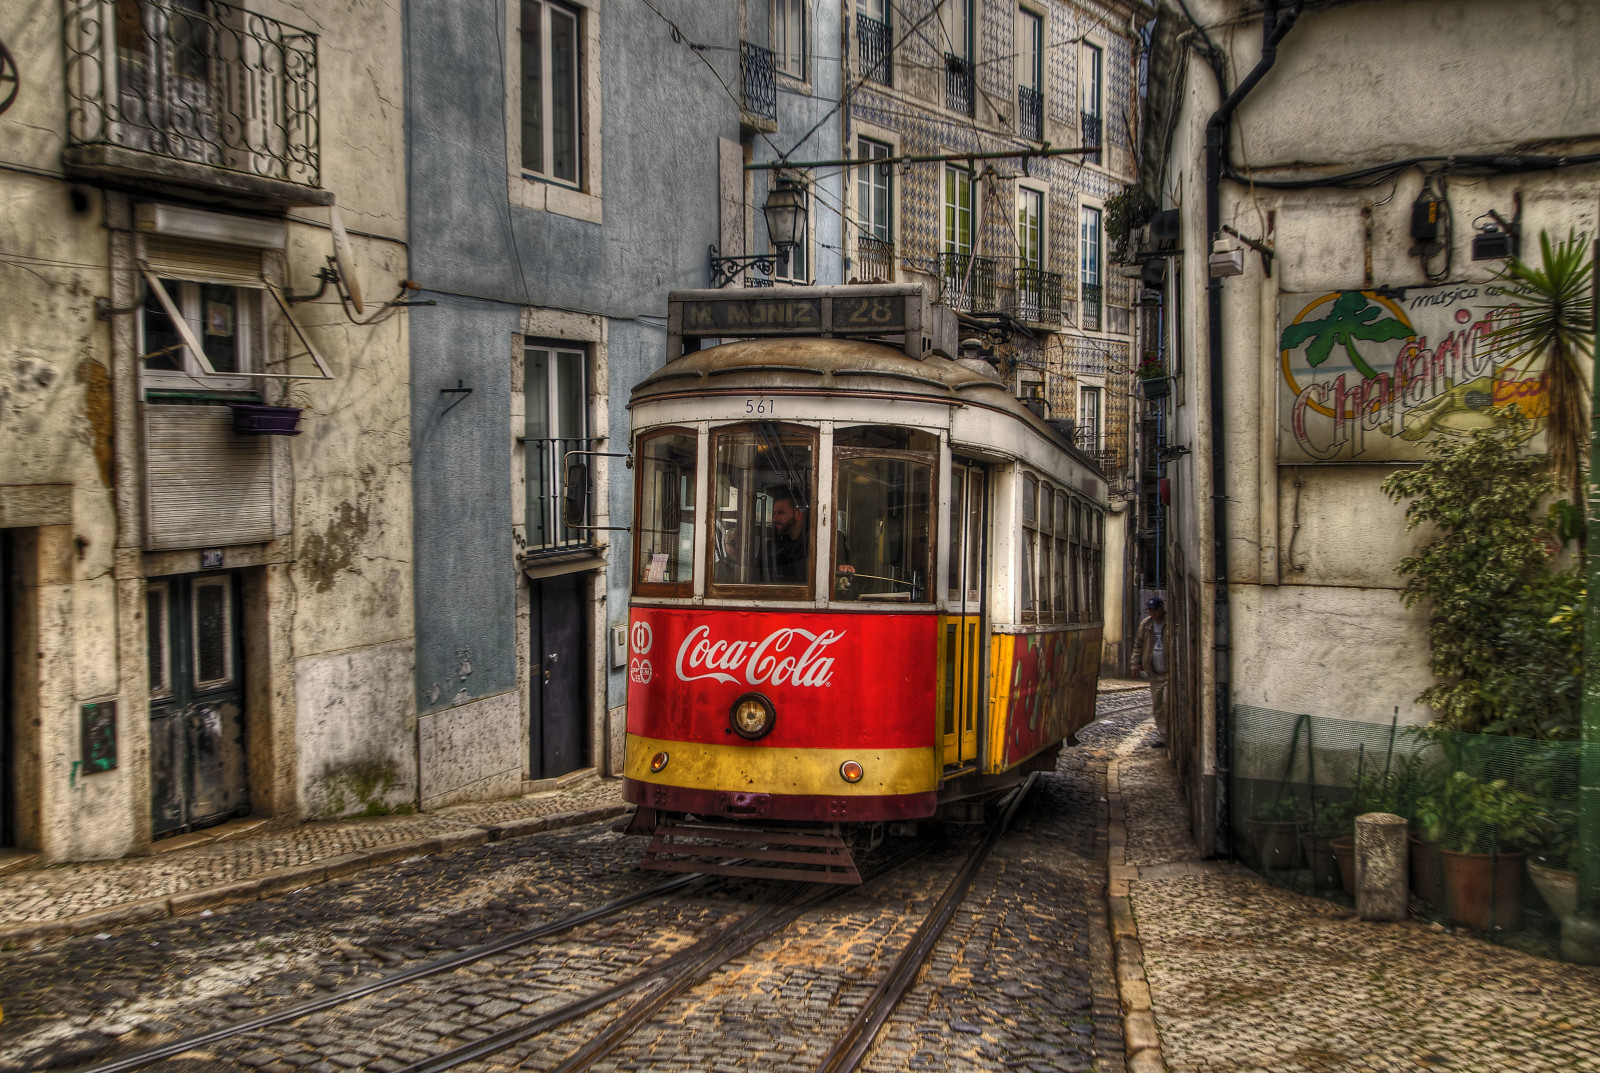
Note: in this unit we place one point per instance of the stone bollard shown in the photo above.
(1381, 866)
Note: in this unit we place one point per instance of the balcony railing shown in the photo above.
(874, 260)
(873, 46)
(957, 83)
(1037, 295)
(1091, 136)
(546, 461)
(1030, 113)
(760, 87)
(1090, 312)
(967, 282)
(194, 80)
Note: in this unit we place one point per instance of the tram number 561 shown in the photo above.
(760, 406)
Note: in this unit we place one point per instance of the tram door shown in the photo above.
(964, 634)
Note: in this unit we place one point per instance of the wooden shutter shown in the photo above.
(204, 485)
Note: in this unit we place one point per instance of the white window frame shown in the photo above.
(956, 18)
(198, 370)
(1025, 191)
(868, 177)
(1093, 390)
(1091, 82)
(531, 190)
(786, 18)
(1031, 75)
(549, 11)
(1099, 268)
(945, 206)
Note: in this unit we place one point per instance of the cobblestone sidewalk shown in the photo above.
(34, 899)
(1247, 977)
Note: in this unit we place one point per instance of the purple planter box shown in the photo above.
(252, 420)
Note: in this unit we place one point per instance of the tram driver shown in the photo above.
(785, 556)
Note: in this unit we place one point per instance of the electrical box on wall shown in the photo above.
(619, 646)
(1425, 219)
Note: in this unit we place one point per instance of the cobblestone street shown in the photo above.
(1022, 978)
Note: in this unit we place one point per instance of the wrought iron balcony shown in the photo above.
(1030, 113)
(873, 45)
(760, 87)
(957, 83)
(874, 260)
(1091, 136)
(548, 535)
(1090, 312)
(967, 282)
(1037, 295)
(196, 93)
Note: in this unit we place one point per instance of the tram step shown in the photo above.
(812, 855)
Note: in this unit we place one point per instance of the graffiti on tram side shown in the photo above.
(834, 681)
(1375, 376)
(1049, 688)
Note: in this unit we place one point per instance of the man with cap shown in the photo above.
(1150, 657)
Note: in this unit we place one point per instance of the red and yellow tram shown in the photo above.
(866, 580)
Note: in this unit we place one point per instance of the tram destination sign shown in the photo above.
(900, 311)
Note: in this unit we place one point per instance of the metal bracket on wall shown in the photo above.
(461, 390)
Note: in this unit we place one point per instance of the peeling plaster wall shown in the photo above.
(356, 731)
(1317, 623)
(69, 417)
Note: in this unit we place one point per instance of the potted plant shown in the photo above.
(1482, 880)
(1329, 847)
(1556, 883)
(1153, 381)
(1275, 830)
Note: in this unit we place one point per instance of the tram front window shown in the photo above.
(666, 509)
(883, 541)
(761, 525)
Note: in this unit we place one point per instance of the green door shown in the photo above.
(197, 728)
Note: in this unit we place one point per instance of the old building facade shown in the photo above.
(553, 209)
(201, 619)
(1359, 189)
(1015, 242)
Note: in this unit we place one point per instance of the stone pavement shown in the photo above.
(77, 898)
(1243, 976)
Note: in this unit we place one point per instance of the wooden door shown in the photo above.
(559, 693)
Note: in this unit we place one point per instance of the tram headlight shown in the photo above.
(657, 762)
(850, 771)
(752, 716)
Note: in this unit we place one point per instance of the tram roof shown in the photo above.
(842, 367)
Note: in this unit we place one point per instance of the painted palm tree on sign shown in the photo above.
(1352, 318)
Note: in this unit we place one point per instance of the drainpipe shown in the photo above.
(1272, 31)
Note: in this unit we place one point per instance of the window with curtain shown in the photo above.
(1030, 227)
(957, 210)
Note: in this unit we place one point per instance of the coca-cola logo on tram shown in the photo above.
(772, 660)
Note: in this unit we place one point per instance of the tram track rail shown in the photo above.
(675, 974)
(687, 968)
(151, 1055)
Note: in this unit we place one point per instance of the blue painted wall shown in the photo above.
(483, 259)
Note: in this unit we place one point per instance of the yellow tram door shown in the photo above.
(963, 634)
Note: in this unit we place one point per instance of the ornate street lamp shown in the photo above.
(785, 212)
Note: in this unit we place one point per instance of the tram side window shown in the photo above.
(883, 539)
(1030, 547)
(1063, 563)
(666, 509)
(1047, 554)
(1097, 585)
(761, 519)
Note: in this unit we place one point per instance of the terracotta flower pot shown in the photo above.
(1425, 870)
(1481, 888)
(1277, 843)
(1323, 861)
(1344, 848)
(1557, 886)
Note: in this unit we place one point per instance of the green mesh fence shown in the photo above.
(1493, 820)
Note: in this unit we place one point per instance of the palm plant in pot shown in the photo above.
(1485, 827)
